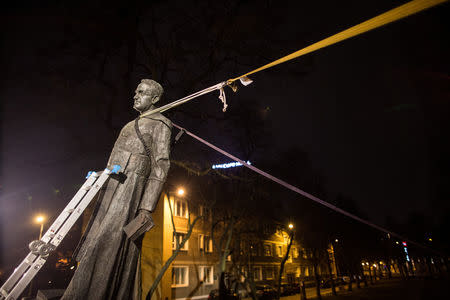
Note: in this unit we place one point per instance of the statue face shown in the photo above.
(144, 97)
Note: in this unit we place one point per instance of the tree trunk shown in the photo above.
(388, 265)
(303, 290)
(222, 287)
(358, 282)
(283, 261)
(350, 288)
(333, 287)
(319, 296)
(370, 274)
(429, 267)
(363, 276)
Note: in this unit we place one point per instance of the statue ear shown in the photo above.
(155, 99)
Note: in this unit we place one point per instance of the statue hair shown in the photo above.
(155, 86)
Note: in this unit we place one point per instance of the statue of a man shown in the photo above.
(109, 261)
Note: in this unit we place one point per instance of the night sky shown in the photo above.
(371, 113)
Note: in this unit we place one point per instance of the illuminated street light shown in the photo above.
(374, 265)
(430, 239)
(397, 242)
(40, 219)
(336, 240)
(291, 226)
(180, 192)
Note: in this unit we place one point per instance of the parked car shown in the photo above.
(326, 283)
(230, 295)
(295, 287)
(265, 292)
(287, 290)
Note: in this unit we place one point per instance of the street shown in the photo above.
(412, 289)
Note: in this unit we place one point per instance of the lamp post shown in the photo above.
(40, 219)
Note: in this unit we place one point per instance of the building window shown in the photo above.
(204, 211)
(305, 254)
(180, 276)
(279, 250)
(205, 243)
(207, 274)
(180, 237)
(257, 273)
(241, 247)
(267, 250)
(253, 249)
(268, 273)
(298, 272)
(180, 208)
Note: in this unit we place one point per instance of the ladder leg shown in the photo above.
(34, 261)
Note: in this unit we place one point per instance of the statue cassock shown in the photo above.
(109, 261)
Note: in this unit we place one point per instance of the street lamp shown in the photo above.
(291, 226)
(40, 219)
(180, 192)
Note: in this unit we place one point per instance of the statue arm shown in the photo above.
(160, 148)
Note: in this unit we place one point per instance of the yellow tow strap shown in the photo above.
(378, 21)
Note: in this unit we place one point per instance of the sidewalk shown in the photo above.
(387, 289)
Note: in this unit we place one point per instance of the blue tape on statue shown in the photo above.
(116, 169)
(89, 174)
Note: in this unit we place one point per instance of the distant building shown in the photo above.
(194, 272)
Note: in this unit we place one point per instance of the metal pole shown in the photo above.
(42, 228)
(30, 290)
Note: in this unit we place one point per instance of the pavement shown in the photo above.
(387, 289)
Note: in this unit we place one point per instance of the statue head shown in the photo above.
(147, 93)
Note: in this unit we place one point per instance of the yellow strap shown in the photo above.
(378, 21)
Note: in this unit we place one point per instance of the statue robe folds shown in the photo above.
(109, 262)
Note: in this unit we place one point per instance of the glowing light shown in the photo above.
(367, 263)
(430, 239)
(363, 264)
(40, 219)
(374, 265)
(229, 165)
(405, 248)
(336, 240)
(72, 267)
(291, 226)
(397, 242)
(180, 192)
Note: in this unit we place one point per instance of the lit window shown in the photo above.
(268, 273)
(180, 208)
(279, 250)
(180, 276)
(267, 250)
(180, 237)
(297, 272)
(207, 274)
(257, 273)
(205, 243)
(253, 249)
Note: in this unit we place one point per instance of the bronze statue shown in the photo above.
(109, 260)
